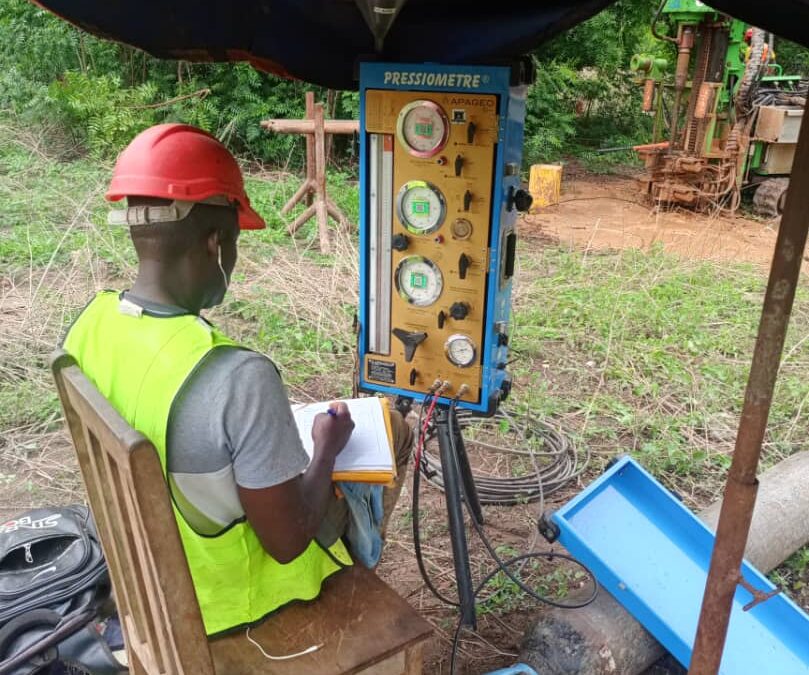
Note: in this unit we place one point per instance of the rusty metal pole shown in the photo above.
(742, 484)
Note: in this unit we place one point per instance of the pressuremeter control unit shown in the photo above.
(441, 148)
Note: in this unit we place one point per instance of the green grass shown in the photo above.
(632, 352)
(649, 354)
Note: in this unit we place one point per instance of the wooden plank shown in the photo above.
(414, 659)
(301, 219)
(310, 150)
(393, 665)
(172, 582)
(163, 627)
(281, 126)
(305, 190)
(334, 211)
(320, 181)
(359, 620)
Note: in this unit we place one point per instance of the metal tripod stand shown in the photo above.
(459, 486)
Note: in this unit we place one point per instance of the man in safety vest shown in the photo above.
(257, 520)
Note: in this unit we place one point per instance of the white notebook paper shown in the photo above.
(368, 455)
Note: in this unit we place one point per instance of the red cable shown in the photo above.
(423, 433)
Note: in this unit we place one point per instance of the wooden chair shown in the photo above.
(363, 625)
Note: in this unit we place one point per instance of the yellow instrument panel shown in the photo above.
(439, 203)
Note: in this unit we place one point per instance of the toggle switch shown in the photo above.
(413, 374)
(467, 200)
(471, 129)
(410, 340)
(463, 265)
(459, 162)
(442, 317)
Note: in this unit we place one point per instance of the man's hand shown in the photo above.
(286, 517)
(331, 431)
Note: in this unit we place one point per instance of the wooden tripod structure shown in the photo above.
(313, 189)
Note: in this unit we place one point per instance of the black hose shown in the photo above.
(561, 462)
(501, 565)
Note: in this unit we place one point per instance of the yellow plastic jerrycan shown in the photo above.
(545, 184)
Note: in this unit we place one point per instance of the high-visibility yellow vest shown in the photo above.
(140, 363)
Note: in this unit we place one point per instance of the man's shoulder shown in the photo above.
(236, 364)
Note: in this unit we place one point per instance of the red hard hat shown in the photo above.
(178, 161)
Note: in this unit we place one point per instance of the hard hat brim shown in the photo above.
(249, 218)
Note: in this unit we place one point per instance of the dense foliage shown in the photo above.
(101, 93)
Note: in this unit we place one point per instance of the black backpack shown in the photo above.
(53, 585)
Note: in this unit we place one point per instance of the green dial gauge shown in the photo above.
(421, 207)
(419, 281)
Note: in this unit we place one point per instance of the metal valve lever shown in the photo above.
(410, 340)
(459, 162)
(467, 200)
(463, 265)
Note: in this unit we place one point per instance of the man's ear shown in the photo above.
(212, 243)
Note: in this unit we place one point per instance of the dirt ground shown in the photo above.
(606, 212)
(596, 213)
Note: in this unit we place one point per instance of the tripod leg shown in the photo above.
(457, 533)
(470, 491)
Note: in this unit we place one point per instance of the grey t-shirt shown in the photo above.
(230, 424)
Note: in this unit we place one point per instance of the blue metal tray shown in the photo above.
(652, 554)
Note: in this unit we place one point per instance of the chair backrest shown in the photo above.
(127, 491)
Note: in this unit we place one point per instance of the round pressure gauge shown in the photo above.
(419, 280)
(460, 350)
(421, 207)
(423, 128)
(461, 229)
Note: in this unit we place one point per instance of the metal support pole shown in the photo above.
(457, 533)
(470, 490)
(742, 484)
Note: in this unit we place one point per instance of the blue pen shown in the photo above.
(332, 412)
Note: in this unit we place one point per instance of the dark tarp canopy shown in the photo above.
(321, 41)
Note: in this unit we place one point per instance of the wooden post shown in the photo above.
(310, 147)
(320, 181)
(313, 190)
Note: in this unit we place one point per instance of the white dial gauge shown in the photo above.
(421, 207)
(419, 281)
(460, 350)
(422, 128)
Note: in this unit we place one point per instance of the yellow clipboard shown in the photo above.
(376, 477)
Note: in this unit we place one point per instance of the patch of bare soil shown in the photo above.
(504, 613)
(608, 213)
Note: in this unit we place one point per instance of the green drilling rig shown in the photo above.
(726, 122)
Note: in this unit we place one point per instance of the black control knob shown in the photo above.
(400, 242)
(505, 388)
(523, 200)
(467, 200)
(459, 310)
(459, 161)
(463, 265)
